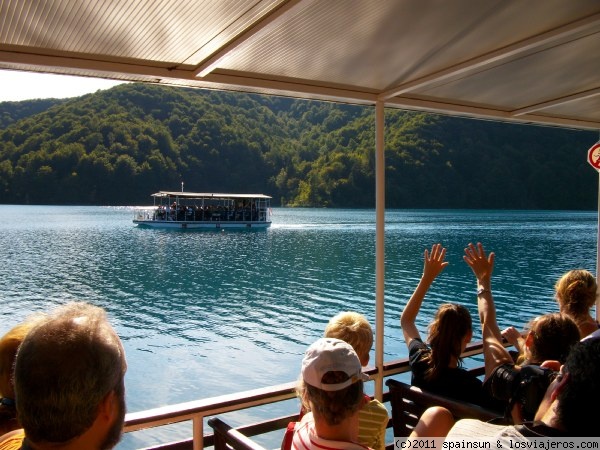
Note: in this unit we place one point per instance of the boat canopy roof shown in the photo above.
(533, 61)
(163, 194)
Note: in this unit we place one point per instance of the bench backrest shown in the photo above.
(408, 403)
(227, 438)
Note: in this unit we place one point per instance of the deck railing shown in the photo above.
(196, 411)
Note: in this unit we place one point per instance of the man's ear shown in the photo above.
(560, 386)
(365, 361)
(108, 406)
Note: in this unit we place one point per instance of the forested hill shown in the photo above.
(11, 112)
(116, 147)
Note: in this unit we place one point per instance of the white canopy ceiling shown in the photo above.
(519, 60)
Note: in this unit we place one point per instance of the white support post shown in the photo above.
(593, 158)
(379, 244)
(598, 251)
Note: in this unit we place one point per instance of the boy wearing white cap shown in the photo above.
(355, 329)
(331, 388)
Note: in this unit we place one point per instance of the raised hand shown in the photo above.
(434, 262)
(481, 265)
(432, 267)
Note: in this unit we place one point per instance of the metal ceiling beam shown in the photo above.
(95, 63)
(501, 56)
(478, 112)
(262, 26)
(141, 71)
(100, 66)
(556, 102)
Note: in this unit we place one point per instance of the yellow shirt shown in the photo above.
(372, 423)
(12, 440)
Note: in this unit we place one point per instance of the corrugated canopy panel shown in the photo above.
(532, 61)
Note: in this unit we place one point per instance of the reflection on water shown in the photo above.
(209, 313)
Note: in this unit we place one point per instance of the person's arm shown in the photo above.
(436, 421)
(494, 353)
(433, 266)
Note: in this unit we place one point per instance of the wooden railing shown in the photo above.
(196, 411)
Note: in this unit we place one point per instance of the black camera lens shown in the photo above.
(526, 385)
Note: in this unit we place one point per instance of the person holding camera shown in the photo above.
(561, 411)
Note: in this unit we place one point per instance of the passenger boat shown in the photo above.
(207, 211)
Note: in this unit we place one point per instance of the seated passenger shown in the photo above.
(549, 337)
(437, 365)
(69, 383)
(560, 413)
(576, 293)
(519, 387)
(331, 389)
(373, 417)
(9, 344)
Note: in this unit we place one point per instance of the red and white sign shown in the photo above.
(594, 156)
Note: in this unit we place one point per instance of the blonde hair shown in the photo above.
(354, 329)
(576, 292)
(331, 406)
(9, 344)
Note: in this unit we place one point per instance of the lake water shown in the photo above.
(210, 313)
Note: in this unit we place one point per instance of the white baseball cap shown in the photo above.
(331, 355)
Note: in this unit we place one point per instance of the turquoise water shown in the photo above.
(209, 313)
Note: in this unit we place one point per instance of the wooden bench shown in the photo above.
(408, 403)
(228, 438)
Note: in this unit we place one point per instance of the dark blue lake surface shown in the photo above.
(209, 313)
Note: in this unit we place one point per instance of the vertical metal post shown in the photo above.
(598, 250)
(593, 158)
(379, 244)
(597, 235)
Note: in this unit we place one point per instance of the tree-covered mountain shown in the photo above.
(11, 112)
(118, 146)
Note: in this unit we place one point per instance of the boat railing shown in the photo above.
(197, 411)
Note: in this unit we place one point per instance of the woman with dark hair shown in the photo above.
(436, 364)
